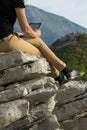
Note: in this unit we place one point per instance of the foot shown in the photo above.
(70, 75)
(61, 79)
(74, 74)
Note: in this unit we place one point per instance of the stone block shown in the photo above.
(15, 58)
(36, 115)
(49, 124)
(75, 124)
(71, 91)
(13, 111)
(35, 91)
(67, 111)
(25, 72)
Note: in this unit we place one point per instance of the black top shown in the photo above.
(8, 15)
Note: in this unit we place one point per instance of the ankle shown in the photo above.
(60, 78)
(66, 71)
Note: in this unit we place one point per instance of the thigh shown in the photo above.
(16, 43)
(37, 42)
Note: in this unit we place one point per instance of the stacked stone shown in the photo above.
(31, 100)
(71, 107)
(26, 93)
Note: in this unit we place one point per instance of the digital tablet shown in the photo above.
(35, 26)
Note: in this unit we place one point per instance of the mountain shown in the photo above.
(72, 49)
(53, 26)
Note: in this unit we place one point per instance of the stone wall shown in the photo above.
(71, 106)
(26, 93)
(32, 100)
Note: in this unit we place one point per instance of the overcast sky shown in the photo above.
(74, 10)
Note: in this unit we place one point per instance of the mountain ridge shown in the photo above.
(53, 26)
(72, 49)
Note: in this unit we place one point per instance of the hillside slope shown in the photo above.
(53, 26)
(73, 50)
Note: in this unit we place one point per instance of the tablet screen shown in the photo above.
(35, 26)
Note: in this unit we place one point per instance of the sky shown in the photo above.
(74, 10)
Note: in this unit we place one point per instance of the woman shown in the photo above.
(9, 41)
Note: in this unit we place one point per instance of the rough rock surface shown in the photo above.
(32, 100)
(27, 93)
(71, 106)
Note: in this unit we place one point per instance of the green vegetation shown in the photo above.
(74, 54)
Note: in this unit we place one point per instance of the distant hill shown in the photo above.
(72, 49)
(53, 26)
